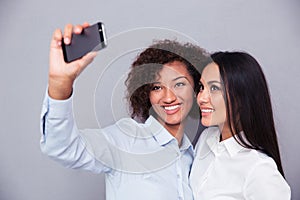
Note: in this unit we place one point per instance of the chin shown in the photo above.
(173, 121)
(206, 123)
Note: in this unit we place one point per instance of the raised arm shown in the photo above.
(60, 139)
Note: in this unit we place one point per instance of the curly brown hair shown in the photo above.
(145, 69)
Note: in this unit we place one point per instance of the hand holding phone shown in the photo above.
(92, 38)
(63, 72)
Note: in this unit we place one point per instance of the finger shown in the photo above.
(68, 33)
(82, 63)
(56, 38)
(88, 58)
(85, 25)
(78, 29)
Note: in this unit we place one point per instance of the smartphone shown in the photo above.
(92, 38)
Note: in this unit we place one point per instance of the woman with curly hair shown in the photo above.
(147, 156)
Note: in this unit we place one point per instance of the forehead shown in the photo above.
(211, 73)
(173, 70)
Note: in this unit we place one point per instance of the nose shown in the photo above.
(169, 95)
(203, 97)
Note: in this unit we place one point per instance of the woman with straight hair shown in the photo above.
(237, 156)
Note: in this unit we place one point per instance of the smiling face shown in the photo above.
(172, 94)
(211, 98)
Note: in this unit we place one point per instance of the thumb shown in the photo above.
(56, 39)
(85, 61)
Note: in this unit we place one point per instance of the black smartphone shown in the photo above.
(92, 38)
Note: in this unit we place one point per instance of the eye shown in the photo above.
(156, 87)
(201, 87)
(180, 84)
(214, 88)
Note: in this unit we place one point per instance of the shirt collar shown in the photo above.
(186, 143)
(162, 136)
(213, 137)
(230, 144)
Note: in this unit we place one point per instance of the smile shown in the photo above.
(207, 110)
(171, 107)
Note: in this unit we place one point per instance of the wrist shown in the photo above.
(60, 89)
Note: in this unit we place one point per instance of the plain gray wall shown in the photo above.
(268, 29)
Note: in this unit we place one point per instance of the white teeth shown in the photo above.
(207, 110)
(171, 107)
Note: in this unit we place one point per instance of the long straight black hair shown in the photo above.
(248, 102)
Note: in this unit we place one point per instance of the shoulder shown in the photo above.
(263, 179)
(259, 165)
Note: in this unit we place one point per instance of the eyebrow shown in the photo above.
(175, 79)
(179, 77)
(211, 82)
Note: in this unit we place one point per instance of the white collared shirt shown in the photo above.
(227, 171)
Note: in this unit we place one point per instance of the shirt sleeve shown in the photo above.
(266, 182)
(60, 138)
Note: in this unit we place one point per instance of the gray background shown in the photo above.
(268, 29)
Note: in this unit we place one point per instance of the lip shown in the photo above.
(206, 111)
(171, 109)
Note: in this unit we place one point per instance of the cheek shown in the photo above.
(219, 104)
(154, 97)
(151, 98)
(193, 98)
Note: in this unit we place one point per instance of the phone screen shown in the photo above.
(92, 38)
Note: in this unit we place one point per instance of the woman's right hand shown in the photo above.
(61, 74)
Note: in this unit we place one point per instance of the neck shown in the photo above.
(176, 130)
(225, 132)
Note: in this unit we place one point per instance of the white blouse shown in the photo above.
(227, 171)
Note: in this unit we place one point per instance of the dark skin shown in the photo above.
(61, 74)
